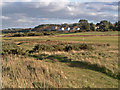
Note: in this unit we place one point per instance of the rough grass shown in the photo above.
(41, 74)
(96, 68)
(84, 59)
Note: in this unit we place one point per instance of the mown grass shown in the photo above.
(93, 33)
(97, 39)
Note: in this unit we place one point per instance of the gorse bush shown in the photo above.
(58, 47)
(85, 46)
(61, 47)
(68, 48)
(11, 48)
(78, 47)
(32, 34)
(18, 35)
(43, 47)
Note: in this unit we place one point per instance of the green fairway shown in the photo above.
(89, 39)
(93, 33)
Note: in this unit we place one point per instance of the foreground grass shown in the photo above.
(37, 73)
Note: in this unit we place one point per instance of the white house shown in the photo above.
(77, 29)
(61, 29)
(67, 29)
(53, 28)
(97, 27)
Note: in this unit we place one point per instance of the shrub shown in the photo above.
(61, 47)
(68, 48)
(86, 46)
(31, 34)
(11, 48)
(78, 47)
(57, 47)
(42, 47)
(18, 35)
(107, 44)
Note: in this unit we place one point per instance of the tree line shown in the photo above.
(84, 25)
(103, 25)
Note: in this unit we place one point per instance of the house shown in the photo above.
(67, 29)
(54, 27)
(61, 29)
(96, 27)
(77, 29)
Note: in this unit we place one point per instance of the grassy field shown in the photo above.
(84, 68)
(93, 33)
(89, 39)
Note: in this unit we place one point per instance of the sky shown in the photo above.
(30, 13)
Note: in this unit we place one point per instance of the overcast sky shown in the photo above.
(27, 13)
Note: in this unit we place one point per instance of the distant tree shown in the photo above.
(75, 24)
(117, 26)
(83, 21)
(92, 26)
(104, 25)
(98, 24)
(111, 27)
(85, 25)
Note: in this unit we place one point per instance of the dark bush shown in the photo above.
(31, 34)
(68, 48)
(58, 47)
(107, 44)
(11, 48)
(86, 46)
(42, 47)
(18, 35)
(78, 47)
(61, 47)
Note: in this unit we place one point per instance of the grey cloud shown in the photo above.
(30, 14)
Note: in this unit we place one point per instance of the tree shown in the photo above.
(75, 24)
(117, 26)
(85, 25)
(98, 24)
(92, 27)
(83, 21)
(104, 25)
